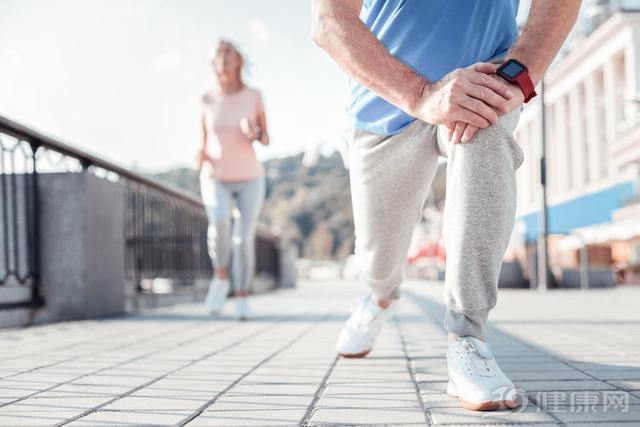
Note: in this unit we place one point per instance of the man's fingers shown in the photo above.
(488, 96)
(450, 128)
(496, 85)
(458, 132)
(468, 116)
(469, 132)
(484, 67)
(480, 108)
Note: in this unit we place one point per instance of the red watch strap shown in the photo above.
(526, 85)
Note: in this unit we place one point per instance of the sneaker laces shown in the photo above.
(366, 316)
(480, 364)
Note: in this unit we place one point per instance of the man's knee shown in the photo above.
(496, 143)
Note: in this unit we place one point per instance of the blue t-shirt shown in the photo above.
(434, 37)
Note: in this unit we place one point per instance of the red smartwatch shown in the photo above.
(517, 73)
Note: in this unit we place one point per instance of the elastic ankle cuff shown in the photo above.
(394, 295)
(468, 323)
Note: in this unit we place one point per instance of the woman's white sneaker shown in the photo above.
(363, 327)
(217, 294)
(476, 379)
(243, 312)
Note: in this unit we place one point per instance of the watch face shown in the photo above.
(512, 69)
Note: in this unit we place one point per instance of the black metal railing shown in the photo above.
(18, 227)
(165, 237)
(165, 228)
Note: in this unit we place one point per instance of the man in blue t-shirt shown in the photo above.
(437, 78)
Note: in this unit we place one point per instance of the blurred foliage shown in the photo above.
(310, 207)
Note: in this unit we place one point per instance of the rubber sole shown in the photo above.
(355, 355)
(488, 406)
(493, 405)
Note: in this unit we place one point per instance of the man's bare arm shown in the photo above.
(338, 30)
(547, 27)
(467, 94)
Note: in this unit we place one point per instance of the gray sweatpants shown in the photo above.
(390, 180)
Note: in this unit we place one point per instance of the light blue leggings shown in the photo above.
(217, 197)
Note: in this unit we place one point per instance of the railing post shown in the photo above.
(36, 297)
(85, 164)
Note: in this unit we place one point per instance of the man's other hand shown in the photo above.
(461, 132)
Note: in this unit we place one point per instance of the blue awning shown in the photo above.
(583, 211)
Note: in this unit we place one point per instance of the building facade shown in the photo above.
(592, 102)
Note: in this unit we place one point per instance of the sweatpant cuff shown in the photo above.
(393, 295)
(470, 323)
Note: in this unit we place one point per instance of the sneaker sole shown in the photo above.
(355, 355)
(483, 406)
(490, 406)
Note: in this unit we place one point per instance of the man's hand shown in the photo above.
(470, 95)
(461, 131)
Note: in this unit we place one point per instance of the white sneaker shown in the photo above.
(476, 379)
(242, 308)
(363, 327)
(217, 294)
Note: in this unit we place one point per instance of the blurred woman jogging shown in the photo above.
(233, 118)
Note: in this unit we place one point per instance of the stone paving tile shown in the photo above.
(541, 375)
(131, 418)
(156, 403)
(55, 404)
(368, 416)
(508, 366)
(371, 400)
(620, 373)
(458, 415)
(626, 363)
(30, 419)
(259, 402)
(626, 385)
(549, 385)
(92, 389)
(437, 387)
(286, 417)
(276, 389)
(439, 400)
(18, 390)
(167, 388)
(581, 414)
(518, 424)
(280, 368)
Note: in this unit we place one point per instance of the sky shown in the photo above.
(123, 78)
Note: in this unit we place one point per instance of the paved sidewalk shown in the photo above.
(577, 354)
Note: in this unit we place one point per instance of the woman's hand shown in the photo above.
(250, 130)
(201, 158)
